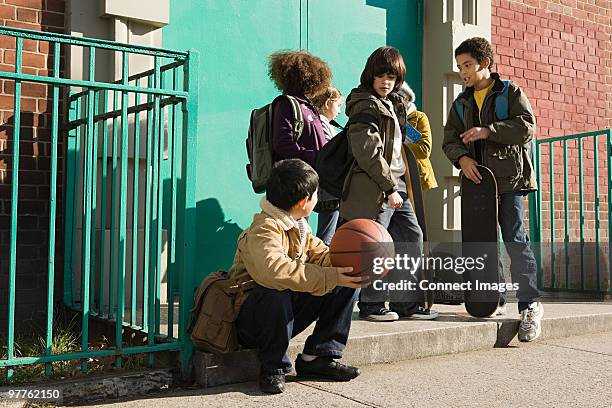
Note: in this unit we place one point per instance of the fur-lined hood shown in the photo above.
(408, 94)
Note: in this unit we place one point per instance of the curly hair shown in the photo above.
(299, 73)
(479, 48)
(330, 93)
(385, 60)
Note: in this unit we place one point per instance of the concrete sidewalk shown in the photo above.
(453, 332)
(569, 372)
(401, 347)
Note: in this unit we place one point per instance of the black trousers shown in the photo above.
(269, 318)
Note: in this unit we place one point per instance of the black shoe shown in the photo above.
(272, 383)
(325, 368)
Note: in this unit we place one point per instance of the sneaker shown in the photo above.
(530, 327)
(381, 315)
(272, 383)
(325, 368)
(420, 313)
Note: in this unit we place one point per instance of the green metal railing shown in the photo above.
(98, 193)
(561, 260)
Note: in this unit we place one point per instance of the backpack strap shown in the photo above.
(459, 108)
(336, 124)
(501, 102)
(363, 117)
(298, 118)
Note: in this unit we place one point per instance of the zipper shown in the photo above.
(484, 102)
(483, 149)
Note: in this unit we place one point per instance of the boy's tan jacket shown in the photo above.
(271, 253)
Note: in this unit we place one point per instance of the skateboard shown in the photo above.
(415, 193)
(480, 240)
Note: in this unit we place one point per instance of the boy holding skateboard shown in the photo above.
(491, 123)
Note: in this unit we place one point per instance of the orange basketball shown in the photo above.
(358, 243)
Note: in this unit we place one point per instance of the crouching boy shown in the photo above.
(295, 284)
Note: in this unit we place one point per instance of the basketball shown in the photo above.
(357, 243)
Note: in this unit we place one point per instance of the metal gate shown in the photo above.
(569, 216)
(130, 203)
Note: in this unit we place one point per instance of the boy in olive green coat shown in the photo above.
(502, 145)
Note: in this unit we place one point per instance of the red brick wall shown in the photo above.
(560, 53)
(34, 161)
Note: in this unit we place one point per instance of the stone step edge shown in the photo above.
(213, 370)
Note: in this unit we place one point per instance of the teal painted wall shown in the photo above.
(234, 38)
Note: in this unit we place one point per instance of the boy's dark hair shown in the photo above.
(479, 48)
(385, 60)
(299, 73)
(290, 181)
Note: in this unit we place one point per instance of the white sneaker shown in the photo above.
(530, 327)
(381, 315)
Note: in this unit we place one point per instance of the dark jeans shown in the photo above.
(326, 226)
(404, 228)
(269, 318)
(523, 268)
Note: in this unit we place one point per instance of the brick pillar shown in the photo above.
(34, 163)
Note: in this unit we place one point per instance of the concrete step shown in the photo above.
(453, 332)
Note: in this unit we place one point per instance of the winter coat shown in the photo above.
(284, 145)
(507, 150)
(422, 149)
(273, 254)
(370, 181)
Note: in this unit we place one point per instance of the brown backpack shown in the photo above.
(215, 309)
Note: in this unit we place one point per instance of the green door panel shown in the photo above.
(234, 38)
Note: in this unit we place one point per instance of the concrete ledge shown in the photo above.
(365, 350)
(211, 370)
(557, 327)
(453, 332)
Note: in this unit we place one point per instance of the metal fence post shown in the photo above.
(187, 208)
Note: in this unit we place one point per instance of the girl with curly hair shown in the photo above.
(302, 76)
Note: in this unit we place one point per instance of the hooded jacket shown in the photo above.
(283, 140)
(274, 254)
(507, 150)
(422, 148)
(370, 180)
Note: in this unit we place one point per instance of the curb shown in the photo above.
(212, 370)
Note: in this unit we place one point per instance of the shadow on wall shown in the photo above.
(216, 238)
